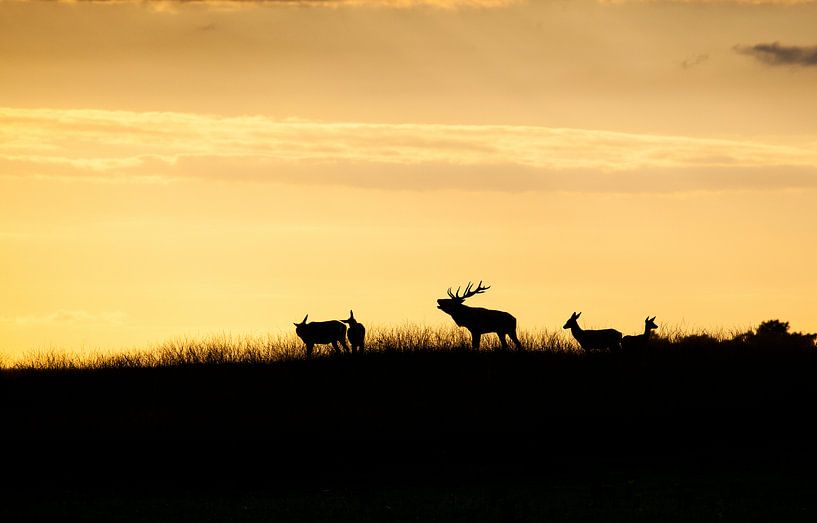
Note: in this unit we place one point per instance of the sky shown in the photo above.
(187, 168)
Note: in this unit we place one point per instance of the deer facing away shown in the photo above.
(322, 332)
(640, 340)
(593, 339)
(356, 333)
(478, 320)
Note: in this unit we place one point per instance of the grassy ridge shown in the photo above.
(247, 350)
(411, 381)
(260, 350)
(425, 383)
(692, 427)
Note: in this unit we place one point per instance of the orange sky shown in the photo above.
(187, 168)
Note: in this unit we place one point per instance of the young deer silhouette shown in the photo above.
(478, 320)
(593, 339)
(356, 333)
(332, 331)
(640, 340)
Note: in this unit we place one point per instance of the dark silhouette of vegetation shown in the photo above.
(593, 339)
(418, 375)
(775, 333)
(477, 320)
(550, 433)
(356, 333)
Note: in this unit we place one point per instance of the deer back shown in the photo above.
(322, 331)
(484, 320)
(598, 339)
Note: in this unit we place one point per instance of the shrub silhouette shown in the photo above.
(774, 334)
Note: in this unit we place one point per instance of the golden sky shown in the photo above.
(185, 168)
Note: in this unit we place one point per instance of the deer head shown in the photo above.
(300, 327)
(351, 320)
(649, 324)
(455, 301)
(572, 323)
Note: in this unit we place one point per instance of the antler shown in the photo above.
(479, 290)
(469, 291)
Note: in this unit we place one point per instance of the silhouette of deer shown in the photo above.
(325, 332)
(640, 340)
(593, 339)
(478, 320)
(356, 333)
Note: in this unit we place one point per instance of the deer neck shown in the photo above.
(461, 314)
(577, 331)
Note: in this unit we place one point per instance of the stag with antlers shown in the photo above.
(478, 320)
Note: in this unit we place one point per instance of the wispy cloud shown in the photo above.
(170, 5)
(67, 317)
(446, 4)
(120, 146)
(695, 60)
(713, 2)
(777, 54)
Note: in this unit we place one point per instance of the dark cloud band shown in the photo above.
(777, 54)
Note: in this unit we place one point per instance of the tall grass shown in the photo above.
(227, 349)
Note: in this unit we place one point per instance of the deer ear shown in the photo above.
(297, 324)
(577, 315)
(653, 318)
(305, 317)
(647, 318)
(351, 314)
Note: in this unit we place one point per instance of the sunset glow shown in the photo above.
(189, 168)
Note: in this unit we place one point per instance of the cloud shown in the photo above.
(692, 61)
(714, 2)
(776, 54)
(124, 147)
(399, 4)
(172, 5)
(67, 317)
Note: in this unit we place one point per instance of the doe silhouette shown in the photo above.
(593, 339)
(356, 333)
(478, 320)
(324, 332)
(640, 340)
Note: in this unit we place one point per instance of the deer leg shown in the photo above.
(515, 340)
(503, 343)
(308, 351)
(475, 336)
(335, 347)
(345, 347)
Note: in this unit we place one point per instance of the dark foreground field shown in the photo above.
(679, 432)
